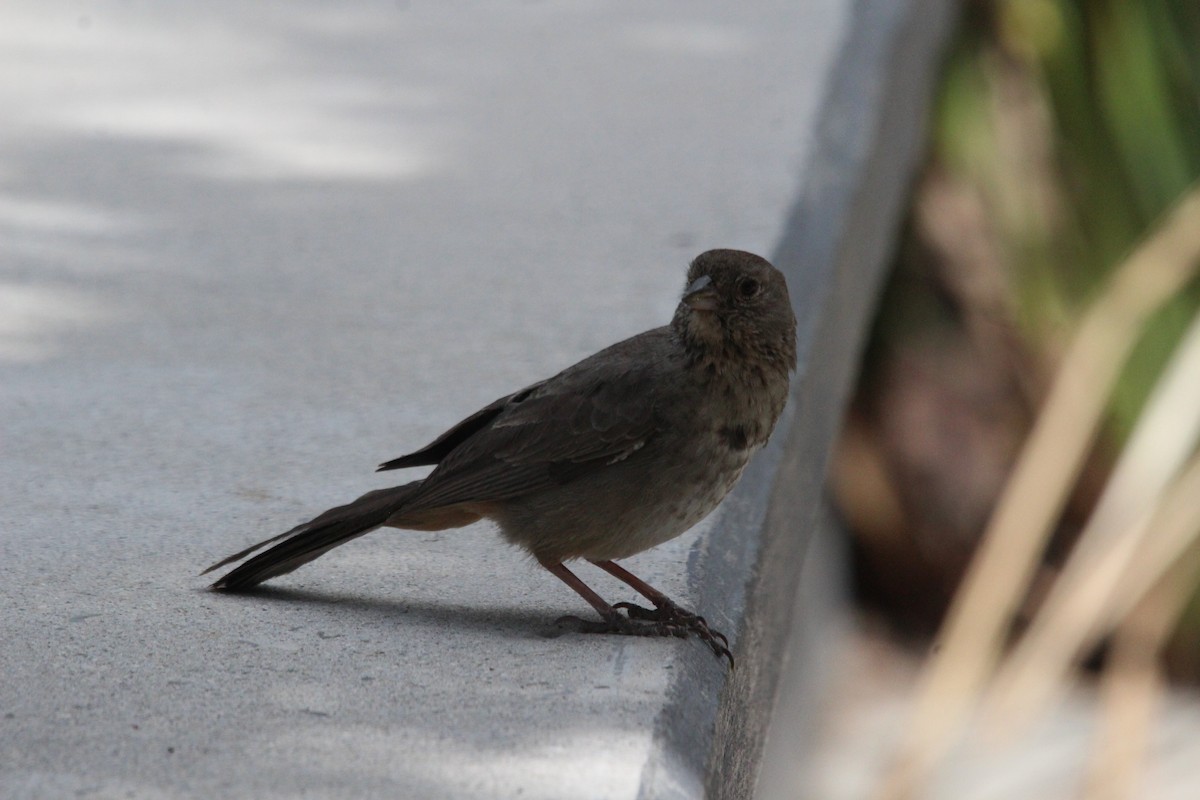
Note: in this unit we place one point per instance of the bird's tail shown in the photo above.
(313, 539)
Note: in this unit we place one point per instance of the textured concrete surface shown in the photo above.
(249, 251)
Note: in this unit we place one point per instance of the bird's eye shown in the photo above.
(748, 287)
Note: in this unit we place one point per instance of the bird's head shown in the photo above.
(736, 303)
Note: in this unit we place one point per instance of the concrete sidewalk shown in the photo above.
(249, 252)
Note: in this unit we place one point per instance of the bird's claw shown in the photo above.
(667, 613)
(623, 626)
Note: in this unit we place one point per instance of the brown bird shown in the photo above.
(621, 452)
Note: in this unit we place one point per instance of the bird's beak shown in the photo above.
(701, 295)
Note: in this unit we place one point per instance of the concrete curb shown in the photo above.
(253, 253)
(710, 735)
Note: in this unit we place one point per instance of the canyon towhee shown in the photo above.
(616, 454)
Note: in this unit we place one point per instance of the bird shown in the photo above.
(620, 452)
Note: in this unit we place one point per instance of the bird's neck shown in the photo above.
(747, 379)
(725, 356)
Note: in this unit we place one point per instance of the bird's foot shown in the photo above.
(622, 626)
(666, 619)
(667, 613)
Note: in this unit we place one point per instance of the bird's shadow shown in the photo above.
(491, 620)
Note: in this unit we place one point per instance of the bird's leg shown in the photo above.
(665, 610)
(612, 620)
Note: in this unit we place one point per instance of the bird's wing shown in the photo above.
(443, 445)
(591, 415)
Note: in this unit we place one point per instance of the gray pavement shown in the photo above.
(247, 252)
